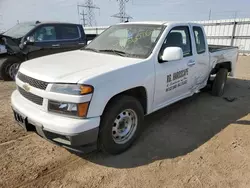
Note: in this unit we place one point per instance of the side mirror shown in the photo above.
(89, 41)
(172, 54)
(30, 40)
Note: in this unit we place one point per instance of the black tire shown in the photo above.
(219, 82)
(106, 142)
(5, 64)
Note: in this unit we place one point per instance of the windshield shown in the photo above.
(20, 30)
(127, 40)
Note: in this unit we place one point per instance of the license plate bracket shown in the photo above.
(21, 120)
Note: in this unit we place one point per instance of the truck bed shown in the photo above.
(221, 54)
(216, 48)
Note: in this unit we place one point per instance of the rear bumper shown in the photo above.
(79, 135)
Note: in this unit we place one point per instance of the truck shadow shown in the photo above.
(182, 127)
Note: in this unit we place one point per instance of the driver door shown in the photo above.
(172, 77)
(45, 41)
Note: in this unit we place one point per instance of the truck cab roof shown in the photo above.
(50, 22)
(159, 23)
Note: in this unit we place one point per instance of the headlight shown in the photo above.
(72, 89)
(71, 109)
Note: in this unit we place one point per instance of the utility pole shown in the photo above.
(122, 11)
(235, 15)
(210, 14)
(1, 18)
(89, 5)
(83, 18)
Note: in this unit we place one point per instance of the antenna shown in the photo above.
(1, 18)
(122, 14)
(210, 14)
(89, 5)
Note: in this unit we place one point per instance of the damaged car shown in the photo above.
(30, 40)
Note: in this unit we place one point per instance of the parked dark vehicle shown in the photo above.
(30, 40)
(91, 37)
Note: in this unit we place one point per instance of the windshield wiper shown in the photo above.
(117, 52)
(90, 49)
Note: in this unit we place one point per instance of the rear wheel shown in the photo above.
(121, 124)
(219, 82)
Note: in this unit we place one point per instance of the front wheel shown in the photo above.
(9, 69)
(121, 124)
(13, 69)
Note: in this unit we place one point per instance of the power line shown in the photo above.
(233, 14)
(90, 7)
(155, 2)
(122, 15)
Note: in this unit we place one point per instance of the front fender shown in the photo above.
(118, 83)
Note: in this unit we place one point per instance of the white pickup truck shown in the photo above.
(97, 97)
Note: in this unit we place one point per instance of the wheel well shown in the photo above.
(226, 65)
(138, 92)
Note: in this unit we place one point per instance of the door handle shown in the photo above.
(56, 45)
(191, 63)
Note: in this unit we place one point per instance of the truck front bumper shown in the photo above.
(79, 135)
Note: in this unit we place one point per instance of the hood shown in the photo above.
(11, 44)
(71, 67)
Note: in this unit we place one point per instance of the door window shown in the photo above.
(45, 33)
(179, 37)
(199, 40)
(69, 32)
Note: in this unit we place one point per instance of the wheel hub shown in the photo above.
(124, 126)
(13, 70)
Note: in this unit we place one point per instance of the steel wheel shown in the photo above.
(13, 70)
(121, 124)
(124, 126)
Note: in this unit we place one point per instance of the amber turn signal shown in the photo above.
(85, 89)
(83, 109)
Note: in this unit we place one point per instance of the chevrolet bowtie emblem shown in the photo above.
(26, 87)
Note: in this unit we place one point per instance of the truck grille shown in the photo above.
(32, 81)
(31, 97)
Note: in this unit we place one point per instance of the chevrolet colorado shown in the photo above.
(97, 97)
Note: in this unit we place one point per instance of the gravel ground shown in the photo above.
(202, 141)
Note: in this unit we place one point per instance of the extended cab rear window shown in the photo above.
(69, 32)
(199, 40)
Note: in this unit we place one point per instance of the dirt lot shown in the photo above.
(203, 141)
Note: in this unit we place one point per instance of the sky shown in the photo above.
(140, 10)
